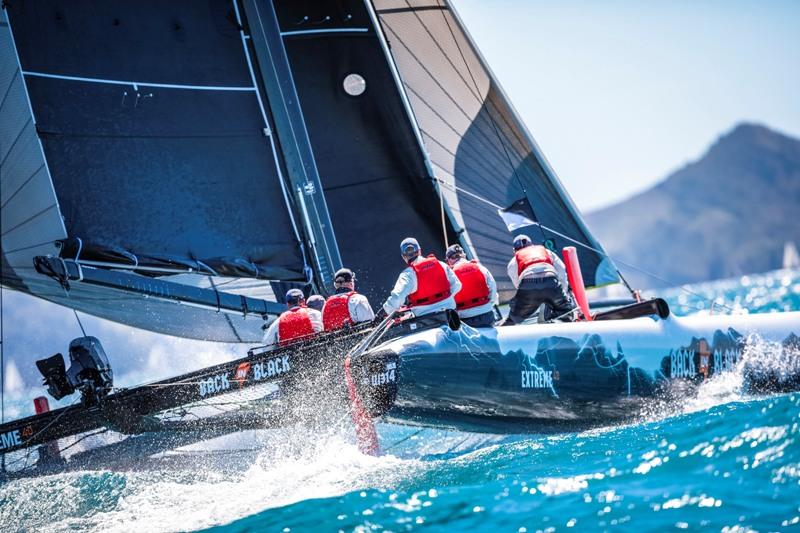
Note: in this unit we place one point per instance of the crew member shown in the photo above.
(316, 301)
(478, 295)
(426, 286)
(298, 323)
(346, 307)
(540, 278)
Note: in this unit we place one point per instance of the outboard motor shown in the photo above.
(89, 371)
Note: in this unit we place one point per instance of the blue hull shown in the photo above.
(557, 377)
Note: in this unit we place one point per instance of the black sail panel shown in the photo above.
(132, 134)
(150, 120)
(372, 168)
(477, 145)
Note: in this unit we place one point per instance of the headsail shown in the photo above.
(479, 147)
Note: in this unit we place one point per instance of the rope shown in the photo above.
(56, 419)
(444, 224)
(77, 441)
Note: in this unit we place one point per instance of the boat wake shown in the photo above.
(202, 485)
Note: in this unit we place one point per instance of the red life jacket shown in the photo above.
(293, 325)
(432, 283)
(531, 255)
(474, 289)
(336, 313)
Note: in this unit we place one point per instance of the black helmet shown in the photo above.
(521, 241)
(455, 251)
(343, 275)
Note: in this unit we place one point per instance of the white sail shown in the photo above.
(791, 258)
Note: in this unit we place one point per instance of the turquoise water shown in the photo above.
(732, 465)
(717, 462)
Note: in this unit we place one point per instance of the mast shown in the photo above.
(276, 75)
(146, 174)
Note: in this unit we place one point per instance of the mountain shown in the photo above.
(728, 213)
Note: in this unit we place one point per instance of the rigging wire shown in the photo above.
(55, 420)
(79, 322)
(600, 252)
(395, 444)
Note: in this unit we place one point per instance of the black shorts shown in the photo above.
(535, 291)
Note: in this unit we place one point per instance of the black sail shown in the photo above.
(213, 153)
(135, 134)
(478, 146)
(371, 165)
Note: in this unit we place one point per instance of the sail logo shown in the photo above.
(681, 364)
(271, 368)
(10, 439)
(537, 379)
(725, 360)
(214, 385)
(240, 376)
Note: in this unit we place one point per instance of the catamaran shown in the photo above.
(177, 168)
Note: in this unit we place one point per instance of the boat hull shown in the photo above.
(570, 376)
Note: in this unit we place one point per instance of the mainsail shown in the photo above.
(215, 153)
(138, 131)
(481, 152)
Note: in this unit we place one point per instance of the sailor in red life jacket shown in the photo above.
(298, 323)
(346, 307)
(426, 286)
(478, 295)
(540, 278)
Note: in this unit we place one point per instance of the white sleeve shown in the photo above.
(492, 284)
(316, 320)
(405, 285)
(455, 283)
(360, 310)
(270, 339)
(512, 272)
(561, 269)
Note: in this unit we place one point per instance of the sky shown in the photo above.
(618, 94)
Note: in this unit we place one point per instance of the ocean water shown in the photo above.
(720, 461)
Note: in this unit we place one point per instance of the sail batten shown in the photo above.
(136, 84)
